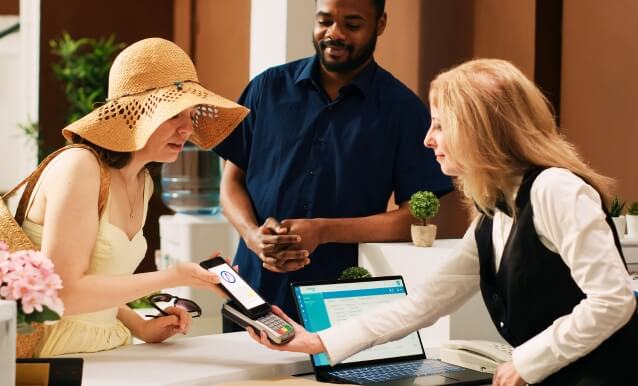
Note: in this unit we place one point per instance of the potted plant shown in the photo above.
(423, 205)
(27, 278)
(632, 220)
(615, 212)
(354, 273)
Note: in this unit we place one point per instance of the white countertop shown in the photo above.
(202, 360)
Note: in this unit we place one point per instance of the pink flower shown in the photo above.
(28, 277)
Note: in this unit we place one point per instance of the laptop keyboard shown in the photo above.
(389, 372)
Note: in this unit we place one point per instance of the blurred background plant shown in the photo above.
(354, 273)
(31, 131)
(616, 207)
(142, 302)
(83, 67)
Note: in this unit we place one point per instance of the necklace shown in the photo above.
(128, 197)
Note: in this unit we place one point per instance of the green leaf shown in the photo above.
(83, 67)
(354, 273)
(423, 205)
(40, 317)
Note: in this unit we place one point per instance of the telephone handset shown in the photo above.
(479, 355)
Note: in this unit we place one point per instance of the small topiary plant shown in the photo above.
(616, 207)
(633, 209)
(424, 205)
(354, 273)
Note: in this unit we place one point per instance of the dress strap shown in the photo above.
(32, 179)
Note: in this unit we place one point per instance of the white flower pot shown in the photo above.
(632, 226)
(423, 235)
(621, 225)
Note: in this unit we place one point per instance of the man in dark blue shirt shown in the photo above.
(328, 140)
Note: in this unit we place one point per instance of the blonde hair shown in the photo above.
(497, 125)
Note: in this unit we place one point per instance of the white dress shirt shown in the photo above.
(570, 222)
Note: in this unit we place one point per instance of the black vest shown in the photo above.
(533, 287)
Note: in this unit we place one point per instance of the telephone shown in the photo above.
(479, 355)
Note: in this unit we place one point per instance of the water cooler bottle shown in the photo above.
(190, 186)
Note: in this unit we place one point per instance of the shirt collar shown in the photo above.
(309, 74)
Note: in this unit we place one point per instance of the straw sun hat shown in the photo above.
(150, 82)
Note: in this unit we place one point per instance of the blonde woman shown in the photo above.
(541, 249)
(155, 105)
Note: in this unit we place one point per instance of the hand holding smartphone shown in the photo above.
(248, 308)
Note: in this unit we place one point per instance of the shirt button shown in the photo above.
(502, 324)
(305, 206)
(312, 173)
(495, 297)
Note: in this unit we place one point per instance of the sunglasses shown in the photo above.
(186, 304)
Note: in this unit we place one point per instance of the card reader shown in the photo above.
(278, 330)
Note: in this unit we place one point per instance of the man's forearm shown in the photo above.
(237, 206)
(389, 226)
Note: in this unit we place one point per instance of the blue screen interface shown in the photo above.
(324, 305)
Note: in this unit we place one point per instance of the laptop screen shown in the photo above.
(325, 304)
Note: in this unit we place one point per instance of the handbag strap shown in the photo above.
(32, 179)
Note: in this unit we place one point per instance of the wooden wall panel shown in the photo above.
(599, 83)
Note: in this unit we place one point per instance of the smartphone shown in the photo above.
(247, 307)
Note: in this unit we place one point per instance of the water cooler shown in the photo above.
(190, 188)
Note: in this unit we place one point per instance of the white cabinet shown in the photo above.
(7, 342)
(630, 250)
(193, 238)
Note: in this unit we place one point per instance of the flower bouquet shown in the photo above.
(27, 278)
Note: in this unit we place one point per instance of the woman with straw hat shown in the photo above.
(155, 104)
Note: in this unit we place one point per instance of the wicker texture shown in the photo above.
(150, 82)
(26, 344)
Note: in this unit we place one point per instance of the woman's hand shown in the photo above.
(193, 275)
(159, 329)
(506, 375)
(304, 341)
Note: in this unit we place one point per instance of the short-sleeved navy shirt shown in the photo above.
(306, 156)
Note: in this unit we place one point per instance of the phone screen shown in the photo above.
(234, 284)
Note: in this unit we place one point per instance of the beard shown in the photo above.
(353, 61)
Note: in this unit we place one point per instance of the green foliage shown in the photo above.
(423, 205)
(354, 273)
(616, 207)
(83, 66)
(633, 209)
(24, 320)
(142, 302)
(31, 131)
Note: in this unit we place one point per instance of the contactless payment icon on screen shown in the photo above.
(227, 276)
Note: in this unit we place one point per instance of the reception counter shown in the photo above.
(201, 360)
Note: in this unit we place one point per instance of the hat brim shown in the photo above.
(126, 123)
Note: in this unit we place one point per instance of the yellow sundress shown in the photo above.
(114, 254)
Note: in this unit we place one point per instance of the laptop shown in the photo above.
(321, 304)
